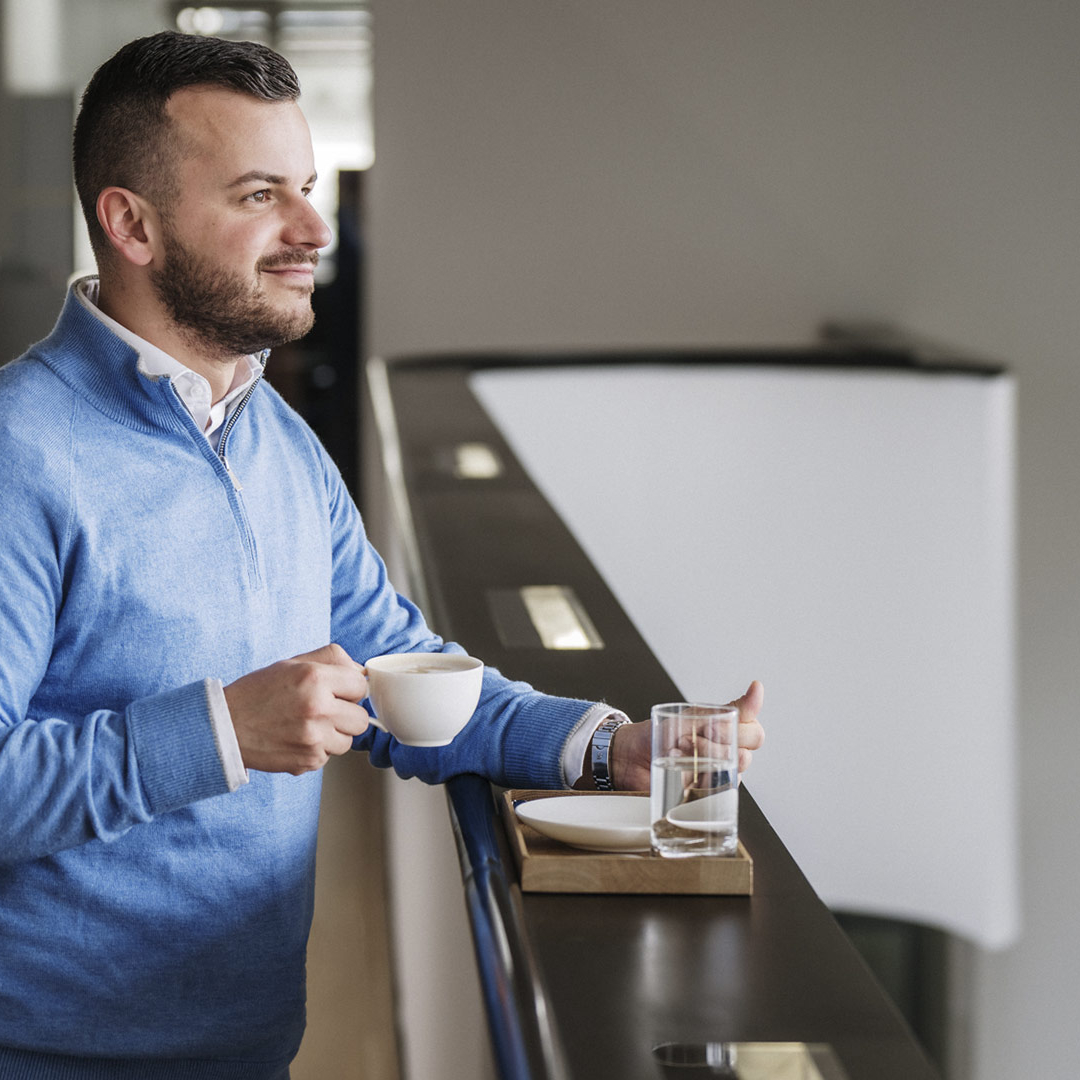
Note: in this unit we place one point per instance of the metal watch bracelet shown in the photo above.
(601, 751)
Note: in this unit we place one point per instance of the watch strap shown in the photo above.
(601, 752)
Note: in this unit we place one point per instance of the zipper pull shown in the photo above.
(232, 476)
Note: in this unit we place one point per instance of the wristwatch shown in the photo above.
(601, 749)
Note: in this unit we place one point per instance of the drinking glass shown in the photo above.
(694, 794)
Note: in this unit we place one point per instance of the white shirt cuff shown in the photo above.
(577, 743)
(225, 736)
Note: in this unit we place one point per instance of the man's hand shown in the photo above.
(291, 716)
(631, 746)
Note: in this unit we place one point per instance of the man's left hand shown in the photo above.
(631, 746)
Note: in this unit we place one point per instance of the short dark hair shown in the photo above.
(122, 134)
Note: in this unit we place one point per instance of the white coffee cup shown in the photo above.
(424, 699)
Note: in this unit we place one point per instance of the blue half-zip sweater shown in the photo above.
(152, 923)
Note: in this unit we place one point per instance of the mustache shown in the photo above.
(281, 259)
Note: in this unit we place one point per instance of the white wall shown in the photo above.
(705, 172)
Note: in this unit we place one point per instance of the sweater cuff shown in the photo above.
(535, 753)
(175, 748)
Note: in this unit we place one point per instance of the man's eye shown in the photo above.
(259, 196)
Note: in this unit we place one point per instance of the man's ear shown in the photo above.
(130, 224)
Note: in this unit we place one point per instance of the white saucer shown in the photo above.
(714, 813)
(595, 823)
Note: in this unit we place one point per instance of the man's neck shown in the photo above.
(148, 321)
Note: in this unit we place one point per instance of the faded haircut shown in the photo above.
(123, 135)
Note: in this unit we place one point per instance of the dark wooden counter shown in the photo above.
(586, 986)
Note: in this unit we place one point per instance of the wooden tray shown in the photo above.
(546, 865)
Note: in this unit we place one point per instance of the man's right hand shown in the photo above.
(293, 715)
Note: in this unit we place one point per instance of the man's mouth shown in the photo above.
(303, 264)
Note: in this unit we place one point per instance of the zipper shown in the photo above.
(229, 426)
(236, 500)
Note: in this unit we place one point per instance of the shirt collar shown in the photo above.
(192, 388)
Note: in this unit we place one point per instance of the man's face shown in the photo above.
(241, 240)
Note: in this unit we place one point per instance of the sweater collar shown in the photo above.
(104, 369)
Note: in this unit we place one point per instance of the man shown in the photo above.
(187, 591)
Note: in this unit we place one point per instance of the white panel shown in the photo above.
(846, 537)
(440, 1012)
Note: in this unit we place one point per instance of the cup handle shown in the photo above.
(372, 719)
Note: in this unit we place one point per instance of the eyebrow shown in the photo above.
(256, 175)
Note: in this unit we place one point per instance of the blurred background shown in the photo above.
(615, 173)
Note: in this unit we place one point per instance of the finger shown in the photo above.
(703, 747)
(342, 676)
(347, 684)
(750, 703)
(340, 742)
(713, 741)
(751, 736)
(349, 720)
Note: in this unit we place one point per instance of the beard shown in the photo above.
(221, 311)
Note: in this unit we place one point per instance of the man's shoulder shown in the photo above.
(295, 433)
(31, 392)
(271, 404)
(34, 382)
(36, 413)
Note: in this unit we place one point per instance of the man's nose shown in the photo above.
(305, 227)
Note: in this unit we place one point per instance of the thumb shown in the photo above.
(750, 703)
